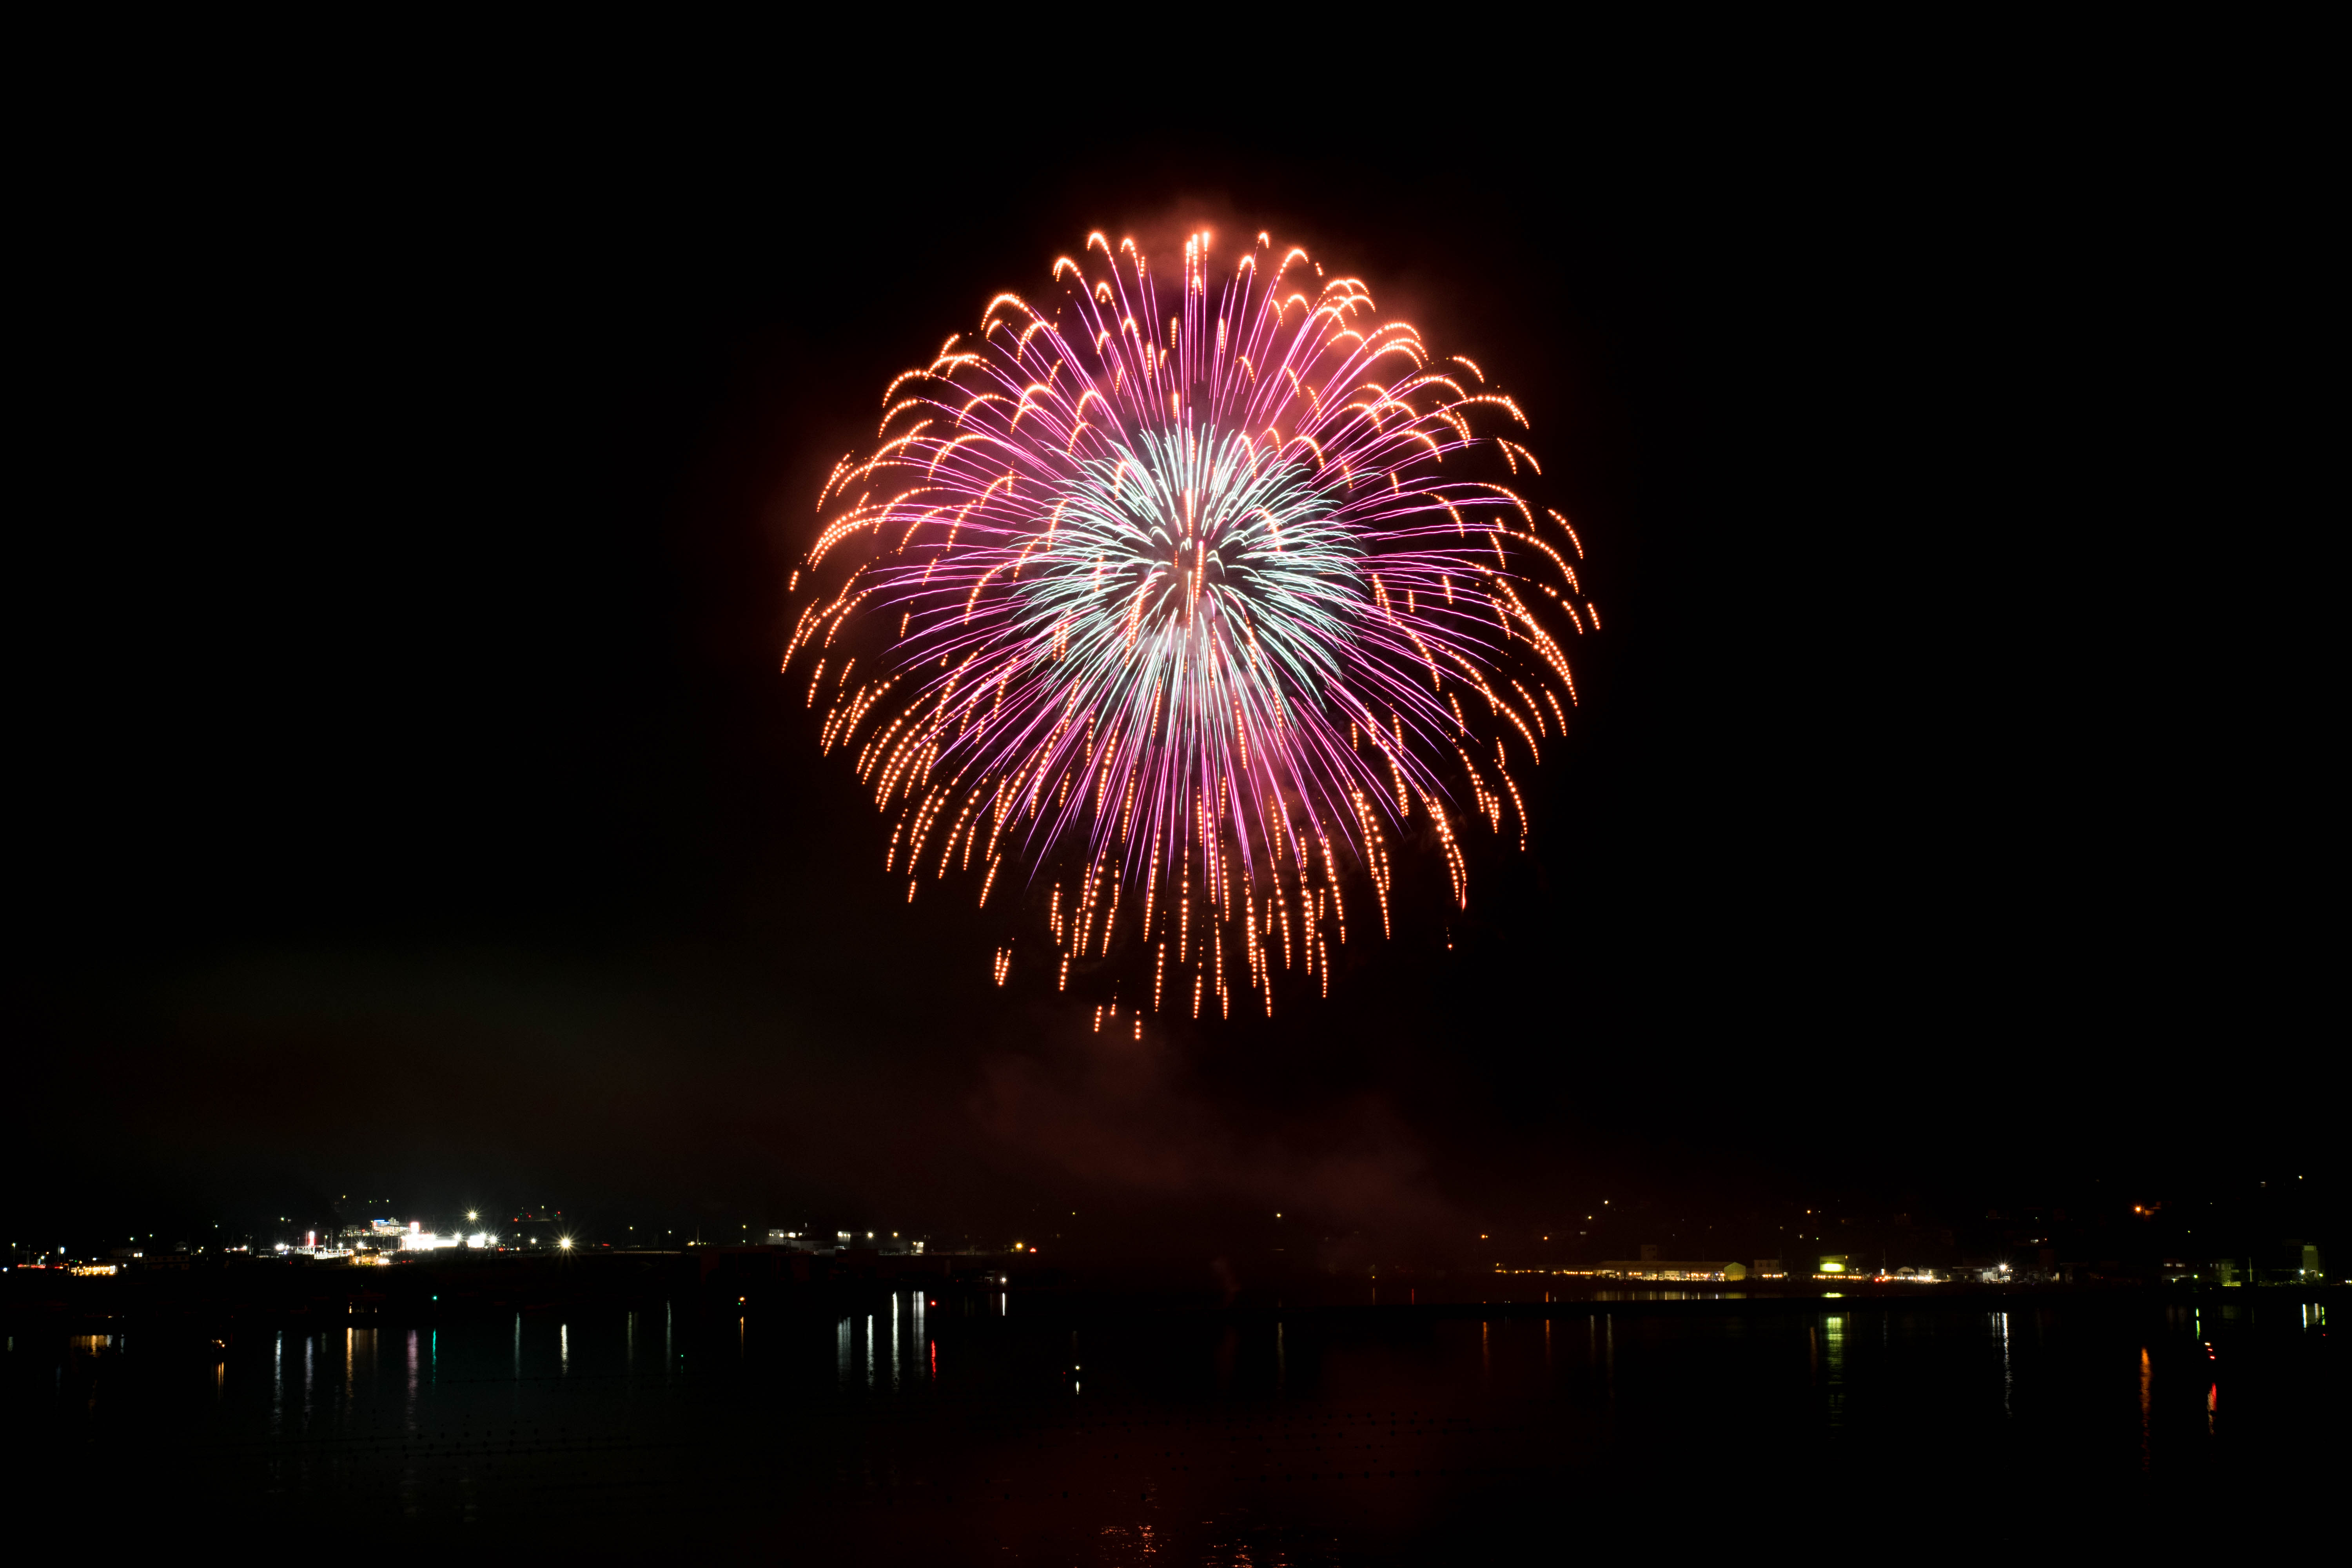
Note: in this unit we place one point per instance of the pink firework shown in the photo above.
(1180, 611)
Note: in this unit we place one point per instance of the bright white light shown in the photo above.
(565, 1243)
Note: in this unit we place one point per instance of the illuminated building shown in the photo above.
(1654, 1267)
(807, 1238)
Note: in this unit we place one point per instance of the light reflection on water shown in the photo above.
(2008, 1378)
(1182, 1426)
(1833, 1355)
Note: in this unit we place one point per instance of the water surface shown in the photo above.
(1329, 1437)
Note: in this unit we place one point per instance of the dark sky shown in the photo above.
(415, 809)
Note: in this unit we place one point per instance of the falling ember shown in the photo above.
(1163, 615)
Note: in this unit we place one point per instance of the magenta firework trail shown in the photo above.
(1171, 616)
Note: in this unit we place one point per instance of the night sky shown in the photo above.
(412, 807)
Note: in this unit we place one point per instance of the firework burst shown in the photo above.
(1172, 615)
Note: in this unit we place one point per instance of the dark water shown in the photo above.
(1332, 1436)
